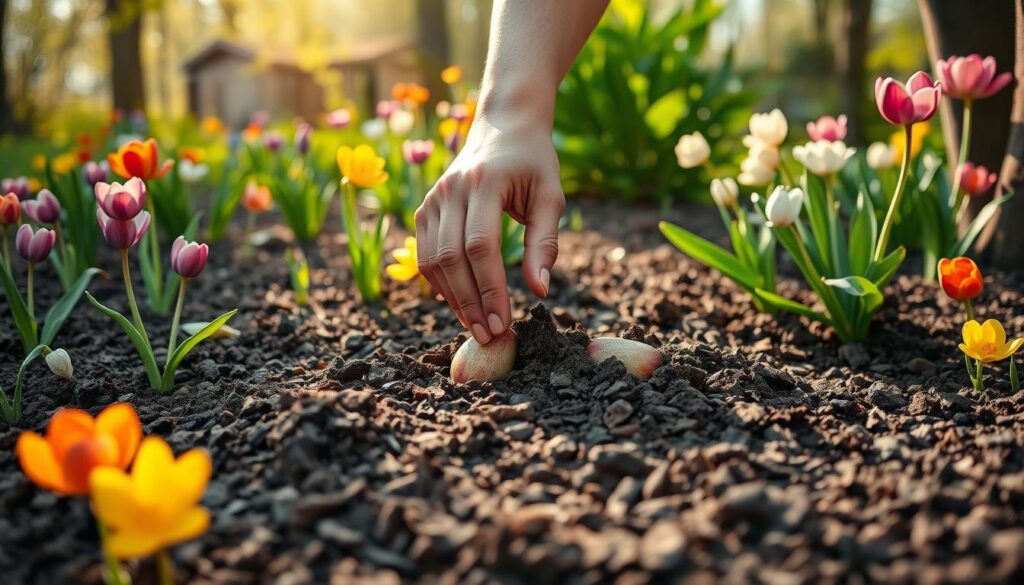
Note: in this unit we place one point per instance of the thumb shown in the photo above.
(541, 240)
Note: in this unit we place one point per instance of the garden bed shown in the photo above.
(762, 449)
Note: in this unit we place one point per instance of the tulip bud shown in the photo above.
(188, 258)
(905, 104)
(303, 136)
(119, 201)
(10, 209)
(960, 278)
(123, 233)
(338, 119)
(784, 206)
(374, 128)
(44, 209)
(18, 186)
(759, 166)
(273, 141)
(417, 151)
(769, 129)
(971, 77)
(640, 359)
(59, 363)
(881, 156)
(692, 150)
(96, 172)
(34, 247)
(974, 180)
(827, 128)
(823, 157)
(484, 362)
(725, 192)
(459, 112)
(385, 108)
(401, 122)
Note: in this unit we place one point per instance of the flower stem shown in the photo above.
(63, 246)
(979, 375)
(112, 575)
(7, 250)
(154, 255)
(164, 567)
(31, 287)
(969, 307)
(171, 344)
(136, 317)
(786, 176)
(965, 149)
(838, 317)
(901, 186)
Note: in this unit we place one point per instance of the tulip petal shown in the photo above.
(894, 103)
(39, 462)
(122, 423)
(993, 332)
(919, 81)
(925, 102)
(998, 83)
(972, 333)
(966, 72)
(969, 352)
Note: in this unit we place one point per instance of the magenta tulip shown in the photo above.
(43, 209)
(121, 202)
(273, 141)
(971, 77)
(94, 172)
(907, 104)
(123, 233)
(303, 138)
(827, 128)
(417, 151)
(188, 258)
(34, 246)
(976, 180)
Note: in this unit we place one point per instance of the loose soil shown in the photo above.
(761, 451)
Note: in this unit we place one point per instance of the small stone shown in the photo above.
(922, 367)
(854, 354)
(617, 413)
(886, 397)
(662, 546)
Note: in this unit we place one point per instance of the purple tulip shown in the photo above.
(417, 151)
(188, 258)
(453, 142)
(34, 247)
(18, 186)
(338, 119)
(273, 141)
(96, 172)
(122, 202)
(303, 136)
(43, 209)
(123, 233)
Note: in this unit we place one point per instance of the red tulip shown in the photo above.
(907, 104)
(960, 278)
(188, 258)
(10, 209)
(44, 209)
(123, 233)
(976, 180)
(827, 128)
(119, 201)
(34, 246)
(971, 77)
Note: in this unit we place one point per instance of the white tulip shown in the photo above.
(823, 157)
(191, 172)
(443, 108)
(759, 167)
(881, 156)
(769, 129)
(692, 150)
(725, 192)
(784, 206)
(374, 128)
(401, 122)
(59, 363)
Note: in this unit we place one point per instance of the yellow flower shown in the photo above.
(212, 125)
(63, 163)
(157, 505)
(898, 141)
(452, 74)
(39, 162)
(405, 268)
(987, 341)
(361, 166)
(34, 185)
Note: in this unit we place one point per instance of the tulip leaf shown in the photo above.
(664, 114)
(978, 224)
(174, 360)
(709, 254)
(25, 322)
(863, 231)
(138, 339)
(11, 409)
(60, 310)
(880, 272)
(858, 286)
(782, 303)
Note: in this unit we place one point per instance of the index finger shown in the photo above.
(483, 248)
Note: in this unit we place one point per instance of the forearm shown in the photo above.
(533, 44)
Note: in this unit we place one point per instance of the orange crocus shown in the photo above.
(960, 278)
(139, 159)
(76, 443)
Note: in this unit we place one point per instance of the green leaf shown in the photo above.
(12, 408)
(964, 244)
(174, 360)
(863, 231)
(858, 286)
(60, 310)
(818, 214)
(709, 254)
(1014, 378)
(881, 271)
(141, 345)
(783, 304)
(23, 320)
(664, 114)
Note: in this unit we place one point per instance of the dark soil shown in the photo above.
(761, 451)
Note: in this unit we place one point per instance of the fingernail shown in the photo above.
(481, 334)
(494, 322)
(545, 279)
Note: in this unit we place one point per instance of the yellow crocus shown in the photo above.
(452, 74)
(155, 506)
(986, 342)
(361, 166)
(898, 141)
(404, 269)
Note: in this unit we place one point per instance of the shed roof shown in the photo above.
(365, 52)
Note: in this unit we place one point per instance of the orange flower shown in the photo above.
(400, 91)
(256, 198)
(139, 159)
(452, 74)
(960, 278)
(410, 92)
(252, 132)
(193, 155)
(75, 444)
(10, 210)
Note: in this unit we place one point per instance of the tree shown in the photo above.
(432, 34)
(850, 57)
(124, 19)
(6, 113)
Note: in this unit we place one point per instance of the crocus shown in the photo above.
(361, 166)
(123, 233)
(140, 160)
(759, 167)
(34, 246)
(155, 506)
(974, 180)
(827, 128)
(451, 74)
(881, 156)
(256, 198)
(910, 103)
(303, 138)
(10, 209)
(76, 445)
(188, 258)
(823, 157)
(725, 192)
(374, 128)
(417, 151)
(18, 186)
(405, 267)
(692, 150)
(121, 201)
(338, 119)
(784, 206)
(192, 172)
(971, 77)
(401, 122)
(94, 172)
(59, 363)
(767, 129)
(960, 278)
(986, 342)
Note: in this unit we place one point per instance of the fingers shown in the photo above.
(428, 219)
(483, 250)
(541, 239)
(452, 260)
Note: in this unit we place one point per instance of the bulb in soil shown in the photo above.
(640, 359)
(484, 362)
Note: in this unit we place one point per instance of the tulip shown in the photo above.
(122, 202)
(443, 109)
(401, 122)
(273, 141)
(191, 172)
(361, 166)
(410, 92)
(451, 75)
(784, 205)
(725, 192)
(417, 151)
(34, 246)
(374, 128)
(692, 150)
(155, 506)
(96, 172)
(974, 180)
(10, 210)
(767, 129)
(881, 156)
(76, 445)
(961, 281)
(759, 167)
(18, 186)
(256, 198)
(459, 113)
(485, 363)
(914, 102)
(139, 160)
(188, 258)
(827, 128)
(971, 77)
(59, 363)
(303, 137)
(640, 359)
(338, 119)
(387, 107)
(123, 233)
(823, 158)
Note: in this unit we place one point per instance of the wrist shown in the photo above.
(518, 100)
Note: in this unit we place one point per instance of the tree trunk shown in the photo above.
(1008, 240)
(432, 33)
(125, 22)
(850, 57)
(6, 112)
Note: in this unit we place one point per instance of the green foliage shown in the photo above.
(365, 246)
(11, 408)
(25, 322)
(637, 86)
(299, 271)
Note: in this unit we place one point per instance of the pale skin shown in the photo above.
(508, 164)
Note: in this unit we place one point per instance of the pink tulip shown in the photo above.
(123, 233)
(338, 119)
(387, 107)
(971, 77)
(43, 209)
(188, 258)
(121, 202)
(459, 112)
(94, 172)
(35, 246)
(908, 104)
(18, 186)
(273, 141)
(417, 151)
(827, 128)
(976, 180)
